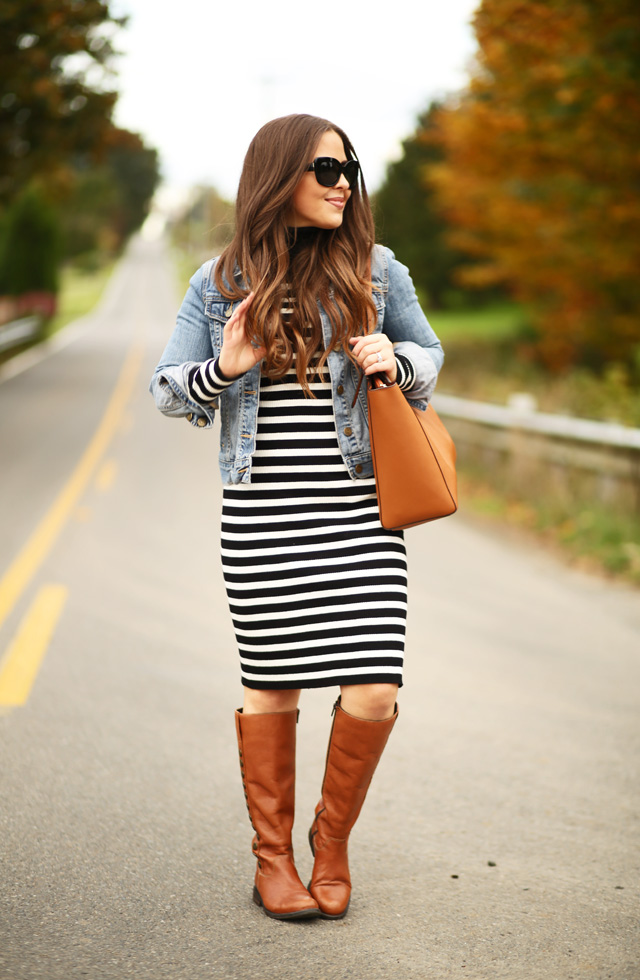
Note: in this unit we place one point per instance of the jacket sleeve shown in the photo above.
(408, 329)
(189, 345)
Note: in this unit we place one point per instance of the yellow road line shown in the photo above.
(28, 560)
(106, 475)
(20, 667)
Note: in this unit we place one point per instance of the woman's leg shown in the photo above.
(363, 719)
(373, 702)
(265, 702)
(266, 729)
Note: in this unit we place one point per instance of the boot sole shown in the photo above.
(300, 914)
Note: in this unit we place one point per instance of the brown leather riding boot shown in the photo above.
(355, 747)
(267, 746)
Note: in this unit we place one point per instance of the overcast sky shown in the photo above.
(198, 77)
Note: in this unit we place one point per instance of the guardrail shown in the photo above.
(536, 452)
(19, 331)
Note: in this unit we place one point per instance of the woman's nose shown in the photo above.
(343, 182)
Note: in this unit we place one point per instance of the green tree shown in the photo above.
(410, 223)
(50, 109)
(29, 246)
(136, 173)
(108, 202)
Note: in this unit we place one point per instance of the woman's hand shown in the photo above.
(238, 354)
(374, 354)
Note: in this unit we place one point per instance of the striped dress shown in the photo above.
(317, 588)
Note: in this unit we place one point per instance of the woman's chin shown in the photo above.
(331, 221)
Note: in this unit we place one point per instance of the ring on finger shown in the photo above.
(379, 357)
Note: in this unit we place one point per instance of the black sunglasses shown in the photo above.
(328, 171)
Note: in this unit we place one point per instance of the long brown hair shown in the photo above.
(333, 269)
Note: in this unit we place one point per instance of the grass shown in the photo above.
(80, 291)
(591, 536)
(492, 323)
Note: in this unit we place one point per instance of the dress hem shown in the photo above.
(323, 682)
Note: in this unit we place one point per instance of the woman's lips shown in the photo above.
(338, 202)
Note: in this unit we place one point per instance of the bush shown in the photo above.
(29, 246)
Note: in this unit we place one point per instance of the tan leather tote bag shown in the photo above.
(414, 458)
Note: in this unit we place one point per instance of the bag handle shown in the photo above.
(375, 380)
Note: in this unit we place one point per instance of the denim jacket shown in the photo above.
(198, 337)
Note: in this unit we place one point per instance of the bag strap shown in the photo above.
(375, 380)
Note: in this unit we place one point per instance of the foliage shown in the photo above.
(136, 173)
(54, 102)
(56, 134)
(591, 536)
(541, 175)
(80, 291)
(205, 225)
(106, 203)
(483, 363)
(408, 221)
(29, 248)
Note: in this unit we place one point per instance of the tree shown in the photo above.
(206, 224)
(541, 174)
(108, 202)
(409, 220)
(29, 246)
(51, 107)
(135, 170)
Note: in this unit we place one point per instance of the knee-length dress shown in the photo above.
(317, 587)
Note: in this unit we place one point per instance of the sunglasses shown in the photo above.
(328, 171)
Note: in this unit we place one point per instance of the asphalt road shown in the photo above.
(500, 837)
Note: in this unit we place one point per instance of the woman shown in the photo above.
(276, 332)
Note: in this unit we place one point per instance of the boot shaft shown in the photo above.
(267, 749)
(355, 748)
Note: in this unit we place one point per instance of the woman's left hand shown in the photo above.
(374, 354)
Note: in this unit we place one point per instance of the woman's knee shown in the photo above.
(265, 702)
(373, 702)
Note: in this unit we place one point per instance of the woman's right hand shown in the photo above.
(238, 355)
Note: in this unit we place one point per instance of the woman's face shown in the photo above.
(317, 206)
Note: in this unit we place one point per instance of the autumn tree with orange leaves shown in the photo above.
(541, 179)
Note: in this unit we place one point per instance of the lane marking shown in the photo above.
(31, 556)
(26, 653)
(106, 475)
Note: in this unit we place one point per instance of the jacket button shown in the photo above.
(189, 416)
(340, 390)
(201, 422)
(348, 431)
(358, 468)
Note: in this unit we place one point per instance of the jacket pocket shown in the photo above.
(217, 312)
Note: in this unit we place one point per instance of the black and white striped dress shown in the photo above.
(317, 587)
